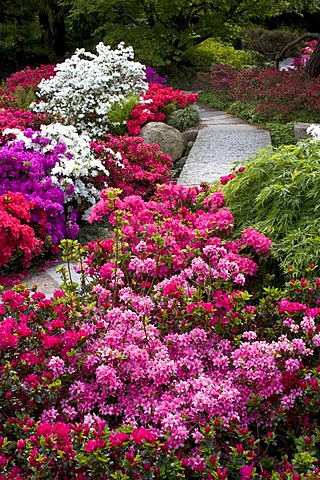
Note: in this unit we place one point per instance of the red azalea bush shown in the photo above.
(153, 104)
(142, 165)
(163, 365)
(282, 95)
(17, 238)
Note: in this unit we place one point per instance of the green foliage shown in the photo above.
(243, 110)
(279, 195)
(185, 118)
(182, 78)
(210, 51)
(270, 42)
(162, 30)
(120, 113)
(215, 100)
(281, 134)
(24, 97)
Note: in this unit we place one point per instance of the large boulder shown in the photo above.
(169, 139)
(300, 131)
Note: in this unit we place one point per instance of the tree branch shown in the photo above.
(280, 55)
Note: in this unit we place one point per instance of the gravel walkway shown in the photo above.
(222, 140)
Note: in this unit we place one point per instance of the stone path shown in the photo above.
(49, 280)
(222, 140)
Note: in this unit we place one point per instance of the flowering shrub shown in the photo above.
(28, 78)
(163, 365)
(155, 103)
(17, 238)
(18, 89)
(11, 118)
(267, 95)
(314, 130)
(28, 171)
(87, 85)
(76, 171)
(300, 62)
(142, 165)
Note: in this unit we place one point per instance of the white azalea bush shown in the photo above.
(86, 86)
(77, 172)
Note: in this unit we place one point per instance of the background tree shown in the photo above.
(161, 30)
(31, 31)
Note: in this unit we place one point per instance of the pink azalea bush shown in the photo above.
(142, 165)
(165, 364)
(16, 118)
(23, 85)
(28, 78)
(300, 62)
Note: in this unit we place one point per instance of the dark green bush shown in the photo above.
(270, 42)
(184, 118)
(279, 195)
(215, 100)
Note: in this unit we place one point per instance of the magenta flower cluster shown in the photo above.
(165, 359)
(27, 171)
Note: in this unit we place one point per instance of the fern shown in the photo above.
(279, 195)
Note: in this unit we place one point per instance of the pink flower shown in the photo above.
(246, 471)
(117, 439)
(140, 435)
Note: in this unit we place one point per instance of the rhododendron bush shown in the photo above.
(165, 364)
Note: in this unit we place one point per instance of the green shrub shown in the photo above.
(281, 134)
(279, 195)
(215, 100)
(243, 110)
(184, 118)
(210, 51)
(120, 113)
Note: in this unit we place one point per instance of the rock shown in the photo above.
(189, 145)
(180, 163)
(299, 130)
(190, 135)
(169, 139)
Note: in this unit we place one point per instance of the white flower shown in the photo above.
(77, 167)
(314, 130)
(87, 85)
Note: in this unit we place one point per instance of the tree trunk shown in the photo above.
(312, 67)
